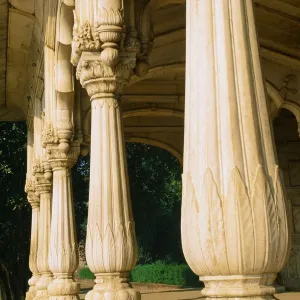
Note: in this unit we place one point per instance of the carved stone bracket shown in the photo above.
(33, 198)
(84, 39)
(49, 135)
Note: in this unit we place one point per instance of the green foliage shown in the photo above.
(85, 273)
(155, 184)
(80, 181)
(158, 272)
(15, 211)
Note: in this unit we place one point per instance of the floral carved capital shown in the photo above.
(97, 77)
(58, 159)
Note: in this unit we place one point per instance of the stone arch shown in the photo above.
(279, 102)
(156, 143)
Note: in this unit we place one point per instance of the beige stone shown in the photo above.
(161, 72)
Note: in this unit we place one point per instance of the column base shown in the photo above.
(32, 287)
(31, 293)
(250, 287)
(42, 287)
(113, 286)
(63, 289)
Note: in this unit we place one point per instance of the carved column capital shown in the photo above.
(99, 78)
(32, 196)
(42, 184)
(59, 159)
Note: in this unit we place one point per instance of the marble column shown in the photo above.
(235, 232)
(34, 201)
(63, 254)
(44, 189)
(111, 249)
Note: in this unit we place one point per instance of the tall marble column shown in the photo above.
(34, 201)
(43, 177)
(111, 249)
(63, 253)
(234, 226)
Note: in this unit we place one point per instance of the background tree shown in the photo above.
(14, 212)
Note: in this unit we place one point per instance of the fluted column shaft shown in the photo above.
(35, 204)
(111, 249)
(234, 226)
(63, 255)
(43, 187)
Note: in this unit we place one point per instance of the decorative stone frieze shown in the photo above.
(34, 201)
(235, 232)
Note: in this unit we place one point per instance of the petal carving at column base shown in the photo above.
(42, 287)
(64, 289)
(32, 287)
(113, 286)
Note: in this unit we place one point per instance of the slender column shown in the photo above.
(63, 256)
(35, 204)
(43, 187)
(111, 249)
(234, 225)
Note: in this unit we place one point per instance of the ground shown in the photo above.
(163, 292)
(194, 295)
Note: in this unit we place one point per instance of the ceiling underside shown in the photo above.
(21, 34)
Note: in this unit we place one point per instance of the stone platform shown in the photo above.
(192, 294)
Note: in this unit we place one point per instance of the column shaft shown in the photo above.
(44, 188)
(34, 201)
(63, 256)
(111, 249)
(234, 226)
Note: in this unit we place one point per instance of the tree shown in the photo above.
(155, 184)
(15, 212)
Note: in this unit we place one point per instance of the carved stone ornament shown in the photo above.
(84, 39)
(59, 159)
(110, 28)
(98, 77)
(49, 135)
